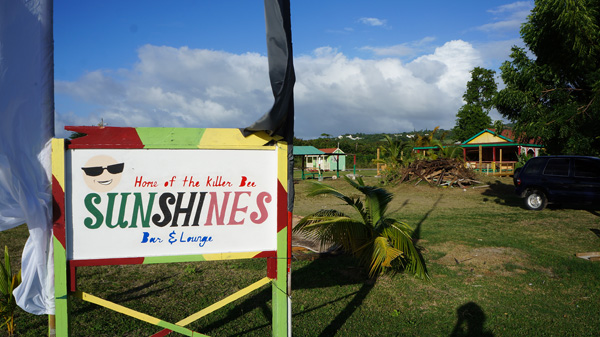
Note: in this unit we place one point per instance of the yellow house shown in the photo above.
(497, 153)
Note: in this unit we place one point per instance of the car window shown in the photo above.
(557, 167)
(534, 166)
(586, 168)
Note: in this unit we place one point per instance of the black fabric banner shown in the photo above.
(280, 119)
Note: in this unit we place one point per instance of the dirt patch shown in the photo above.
(503, 261)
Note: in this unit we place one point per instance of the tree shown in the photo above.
(393, 151)
(554, 96)
(429, 139)
(379, 242)
(499, 127)
(479, 99)
(471, 119)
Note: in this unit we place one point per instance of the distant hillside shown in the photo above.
(364, 145)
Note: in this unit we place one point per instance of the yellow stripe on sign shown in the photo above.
(233, 138)
(117, 308)
(58, 161)
(229, 256)
(282, 164)
(223, 302)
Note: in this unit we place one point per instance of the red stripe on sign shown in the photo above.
(282, 216)
(107, 262)
(58, 212)
(272, 268)
(162, 333)
(268, 253)
(73, 264)
(97, 137)
(72, 276)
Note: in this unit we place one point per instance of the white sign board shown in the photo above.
(155, 202)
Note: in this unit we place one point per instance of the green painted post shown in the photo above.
(61, 294)
(280, 299)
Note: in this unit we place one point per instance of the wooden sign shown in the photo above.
(162, 195)
(159, 202)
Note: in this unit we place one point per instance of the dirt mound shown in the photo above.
(482, 260)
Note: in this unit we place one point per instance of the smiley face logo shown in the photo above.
(102, 173)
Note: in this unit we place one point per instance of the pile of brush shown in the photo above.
(442, 172)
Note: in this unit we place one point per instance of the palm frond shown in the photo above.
(331, 226)
(382, 256)
(380, 243)
(399, 235)
(376, 200)
(320, 189)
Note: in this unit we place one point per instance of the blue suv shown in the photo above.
(559, 179)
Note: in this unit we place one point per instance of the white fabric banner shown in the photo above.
(26, 127)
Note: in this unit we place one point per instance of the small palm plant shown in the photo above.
(8, 282)
(393, 152)
(379, 242)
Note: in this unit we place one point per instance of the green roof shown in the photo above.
(307, 150)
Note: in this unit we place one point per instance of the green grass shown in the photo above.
(334, 174)
(496, 268)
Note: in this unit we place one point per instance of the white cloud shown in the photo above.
(396, 50)
(334, 94)
(401, 50)
(458, 58)
(177, 87)
(508, 17)
(373, 21)
(513, 7)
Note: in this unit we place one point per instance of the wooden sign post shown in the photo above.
(164, 195)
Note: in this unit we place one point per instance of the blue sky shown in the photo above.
(361, 66)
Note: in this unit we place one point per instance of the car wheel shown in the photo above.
(535, 200)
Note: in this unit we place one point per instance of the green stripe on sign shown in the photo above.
(179, 329)
(173, 259)
(170, 138)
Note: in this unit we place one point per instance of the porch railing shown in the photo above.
(492, 168)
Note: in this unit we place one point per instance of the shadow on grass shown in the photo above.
(343, 316)
(404, 204)
(332, 271)
(328, 270)
(416, 236)
(132, 294)
(503, 194)
(259, 300)
(590, 208)
(470, 322)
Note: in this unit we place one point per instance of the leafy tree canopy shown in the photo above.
(554, 97)
(471, 119)
(479, 99)
(481, 89)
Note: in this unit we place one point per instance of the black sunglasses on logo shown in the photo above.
(95, 171)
